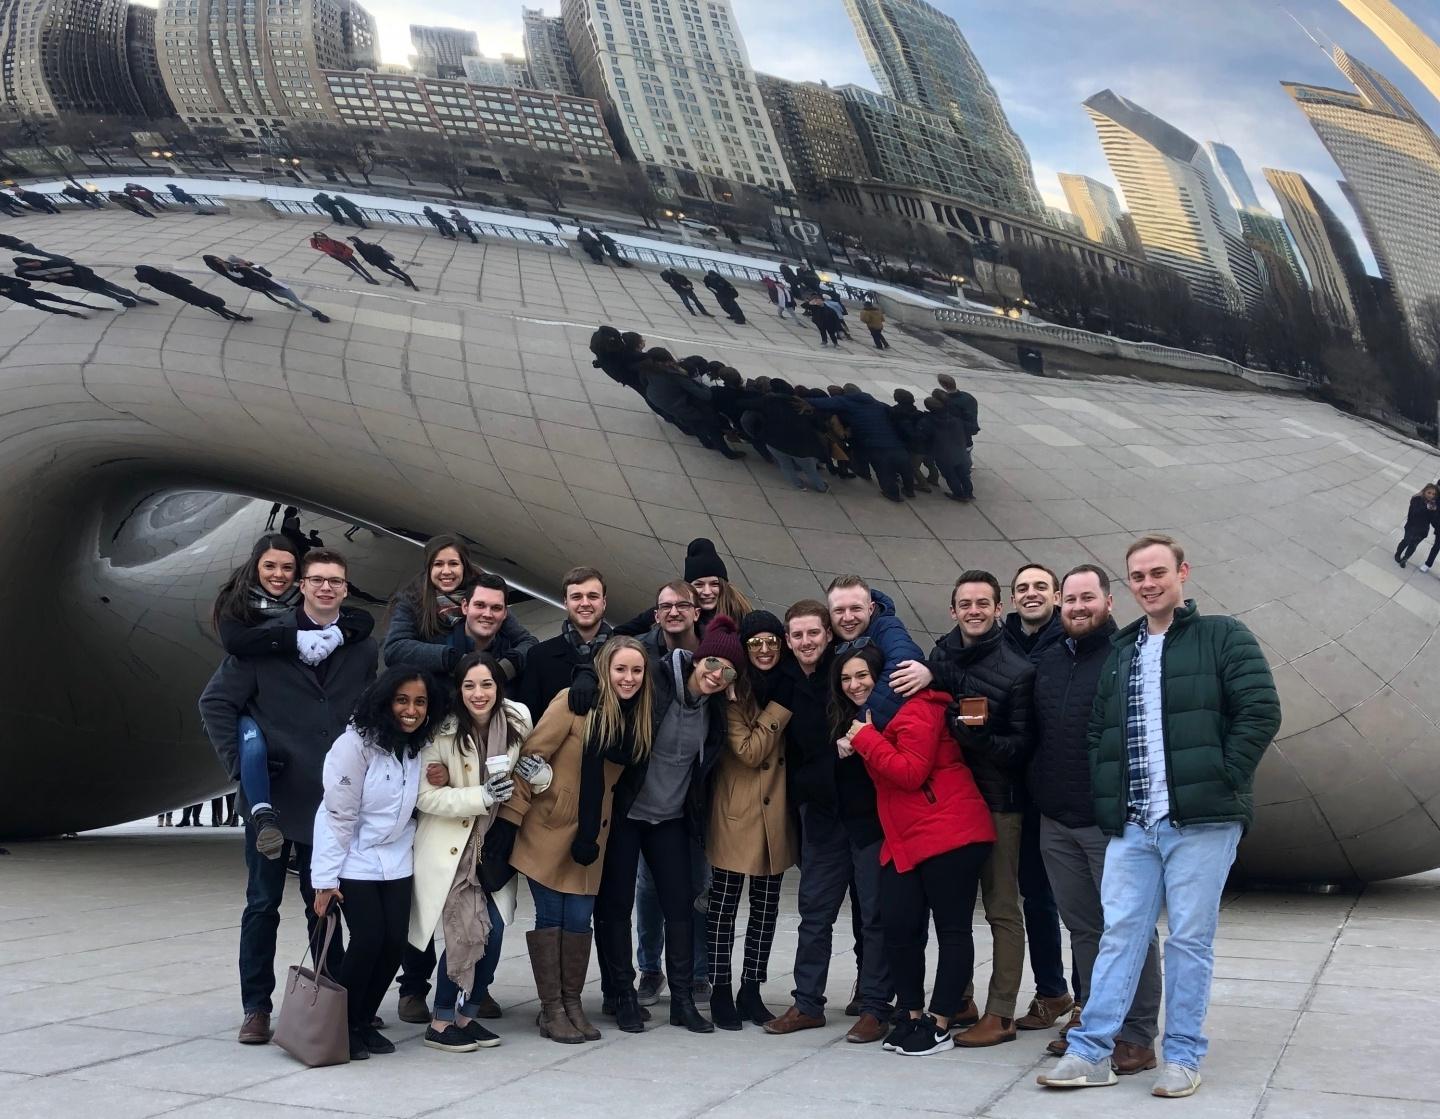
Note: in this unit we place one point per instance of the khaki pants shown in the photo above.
(1000, 891)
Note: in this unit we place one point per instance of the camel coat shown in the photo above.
(751, 831)
(446, 817)
(551, 818)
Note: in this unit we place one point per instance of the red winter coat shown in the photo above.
(331, 247)
(927, 799)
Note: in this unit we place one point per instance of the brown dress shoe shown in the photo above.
(1044, 1012)
(867, 1028)
(255, 1030)
(488, 1008)
(1129, 1058)
(793, 1020)
(990, 1030)
(412, 1009)
(966, 1016)
(1074, 1021)
(1058, 1047)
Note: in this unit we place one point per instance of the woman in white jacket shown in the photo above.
(470, 770)
(364, 839)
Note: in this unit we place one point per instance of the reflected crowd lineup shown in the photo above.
(641, 776)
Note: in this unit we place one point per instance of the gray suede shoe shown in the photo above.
(1073, 1072)
(1176, 1082)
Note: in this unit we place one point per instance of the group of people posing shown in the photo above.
(653, 771)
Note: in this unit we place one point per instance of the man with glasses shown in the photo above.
(301, 705)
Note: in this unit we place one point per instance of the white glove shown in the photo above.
(315, 645)
(530, 767)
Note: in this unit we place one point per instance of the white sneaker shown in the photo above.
(1076, 1072)
(1176, 1082)
(1425, 567)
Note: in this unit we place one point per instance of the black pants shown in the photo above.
(878, 334)
(892, 472)
(377, 916)
(111, 291)
(1408, 545)
(1042, 918)
(828, 333)
(942, 888)
(359, 269)
(731, 308)
(666, 847)
(398, 272)
(691, 301)
(416, 968)
(725, 889)
(465, 229)
(335, 215)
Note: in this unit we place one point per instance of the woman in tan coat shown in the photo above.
(561, 844)
(471, 768)
(751, 833)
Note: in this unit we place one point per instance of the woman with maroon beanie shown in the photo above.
(938, 834)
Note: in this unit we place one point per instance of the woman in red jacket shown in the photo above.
(938, 834)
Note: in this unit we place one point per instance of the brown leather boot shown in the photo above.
(1044, 1012)
(966, 1016)
(574, 964)
(554, 1023)
(1129, 1058)
(1074, 1021)
(256, 1029)
(990, 1030)
(1059, 1046)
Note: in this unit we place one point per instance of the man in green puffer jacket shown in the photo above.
(1186, 707)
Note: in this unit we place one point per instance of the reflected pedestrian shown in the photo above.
(20, 291)
(87, 198)
(67, 273)
(341, 252)
(36, 201)
(462, 223)
(255, 278)
(437, 219)
(725, 295)
(680, 284)
(351, 211)
(185, 291)
(123, 200)
(383, 259)
(330, 206)
(1420, 518)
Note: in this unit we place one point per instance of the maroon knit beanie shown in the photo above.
(722, 639)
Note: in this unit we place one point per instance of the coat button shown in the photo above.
(764, 765)
(464, 823)
(780, 762)
(454, 850)
(467, 767)
(767, 800)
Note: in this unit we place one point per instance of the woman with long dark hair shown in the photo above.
(256, 614)
(751, 832)
(476, 756)
(714, 593)
(564, 827)
(365, 837)
(938, 834)
(424, 614)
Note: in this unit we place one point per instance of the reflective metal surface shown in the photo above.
(425, 412)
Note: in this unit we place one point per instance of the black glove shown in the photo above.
(584, 691)
(495, 869)
(507, 666)
(782, 690)
(584, 852)
(968, 735)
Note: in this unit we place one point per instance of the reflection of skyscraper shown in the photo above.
(64, 56)
(1416, 51)
(1337, 275)
(547, 51)
(1174, 196)
(816, 134)
(1262, 229)
(1233, 176)
(357, 31)
(1391, 162)
(1097, 207)
(920, 58)
(440, 51)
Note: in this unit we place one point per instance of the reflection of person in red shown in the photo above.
(339, 250)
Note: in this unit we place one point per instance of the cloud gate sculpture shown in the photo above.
(134, 447)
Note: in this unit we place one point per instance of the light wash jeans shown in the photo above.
(795, 469)
(1185, 869)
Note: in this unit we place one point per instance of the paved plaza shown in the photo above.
(118, 998)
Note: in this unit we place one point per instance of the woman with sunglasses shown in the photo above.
(661, 804)
(751, 833)
(938, 835)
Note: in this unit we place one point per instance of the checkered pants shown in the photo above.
(725, 888)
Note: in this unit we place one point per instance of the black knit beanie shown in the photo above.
(701, 561)
(761, 621)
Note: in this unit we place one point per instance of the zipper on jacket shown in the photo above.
(929, 793)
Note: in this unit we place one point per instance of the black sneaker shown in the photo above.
(451, 1039)
(269, 840)
(376, 1042)
(924, 1038)
(477, 1033)
(358, 1052)
(899, 1033)
(651, 984)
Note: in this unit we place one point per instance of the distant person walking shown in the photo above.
(341, 252)
(36, 201)
(351, 211)
(680, 284)
(591, 244)
(437, 219)
(1420, 518)
(462, 223)
(726, 295)
(826, 321)
(89, 199)
(185, 291)
(120, 198)
(874, 320)
(185, 198)
(20, 291)
(67, 273)
(144, 194)
(382, 258)
(255, 278)
(779, 295)
(612, 250)
(330, 206)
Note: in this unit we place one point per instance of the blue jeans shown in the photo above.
(650, 921)
(447, 993)
(799, 471)
(1185, 869)
(254, 762)
(554, 910)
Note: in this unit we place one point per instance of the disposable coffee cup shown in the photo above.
(497, 765)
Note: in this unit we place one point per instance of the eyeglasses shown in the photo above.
(673, 607)
(334, 582)
(715, 664)
(854, 646)
(762, 641)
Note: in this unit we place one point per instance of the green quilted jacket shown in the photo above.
(1221, 712)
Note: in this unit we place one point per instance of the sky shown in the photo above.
(1210, 67)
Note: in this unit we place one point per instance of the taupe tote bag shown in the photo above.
(314, 1025)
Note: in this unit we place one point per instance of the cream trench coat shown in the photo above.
(446, 817)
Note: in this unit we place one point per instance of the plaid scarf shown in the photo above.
(1137, 759)
(586, 649)
(267, 606)
(449, 609)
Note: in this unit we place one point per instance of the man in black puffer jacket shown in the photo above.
(1059, 780)
(974, 660)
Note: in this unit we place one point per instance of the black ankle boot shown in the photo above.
(684, 1013)
(722, 1008)
(628, 1014)
(750, 1005)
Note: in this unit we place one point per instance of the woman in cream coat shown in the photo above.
(470, 769)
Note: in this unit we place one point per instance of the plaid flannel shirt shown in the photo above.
(1137, 755)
